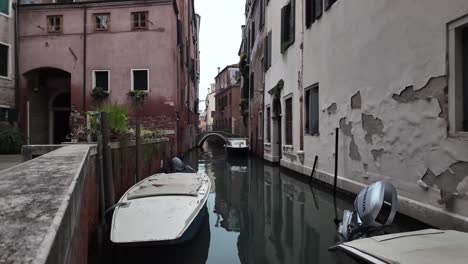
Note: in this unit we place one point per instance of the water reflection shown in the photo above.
(257, 214)
(278, 218)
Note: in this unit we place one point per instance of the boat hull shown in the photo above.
(237, 151)
(163, 209)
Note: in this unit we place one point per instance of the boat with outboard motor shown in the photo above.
(161, 209)
(364, 239)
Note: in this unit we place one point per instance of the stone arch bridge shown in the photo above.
(202, 137)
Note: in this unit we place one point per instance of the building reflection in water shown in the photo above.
(279, 218)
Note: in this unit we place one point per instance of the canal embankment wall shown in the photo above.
(51, 205)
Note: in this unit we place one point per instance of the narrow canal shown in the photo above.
(257, 214)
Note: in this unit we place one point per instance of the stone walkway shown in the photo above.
(8, 161)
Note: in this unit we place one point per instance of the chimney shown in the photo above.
(219, 69)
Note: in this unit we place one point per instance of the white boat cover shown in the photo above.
(159, 208)
(425, 246)
(167, 184)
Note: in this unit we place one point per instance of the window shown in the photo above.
(101, 22)
(287, 25)
(260, 124)
(140, 80)
(262, 15)
(54, 24)
(139, 20)
(268, 123)
(458, 79)
(252, 85)
(312, 110)
(5, 7)
(314, 9)
(252, 35)
(267, 52)
(4, 60)
(288, 121)
(101, 78)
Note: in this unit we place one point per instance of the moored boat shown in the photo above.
(162, 209)
(237, 145)
(425, 246)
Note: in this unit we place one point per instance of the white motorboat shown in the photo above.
(425, 246)
(375, 208)
(237, 145)
(162, 209)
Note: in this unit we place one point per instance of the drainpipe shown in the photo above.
(17, 79)
(85, 17)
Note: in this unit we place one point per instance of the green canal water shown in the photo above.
(257, 213)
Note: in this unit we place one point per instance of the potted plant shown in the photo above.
(139, 96)
(79, 134)
(99, 93)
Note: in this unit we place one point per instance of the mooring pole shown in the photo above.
(107, 160)
(337, 130)
(101, 230)
(138, 149)
(100, 170)
(313, 169)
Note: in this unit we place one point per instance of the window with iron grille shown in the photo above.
(287, 25)
(54, 24)
(289, 122)
(101, 22)
(139, 20)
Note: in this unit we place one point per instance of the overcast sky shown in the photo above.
(220, 38)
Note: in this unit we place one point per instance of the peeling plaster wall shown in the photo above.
(393, 54)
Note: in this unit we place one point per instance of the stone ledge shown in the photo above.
(36, 198)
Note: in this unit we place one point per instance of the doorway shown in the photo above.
(48, 98)
(59, 118)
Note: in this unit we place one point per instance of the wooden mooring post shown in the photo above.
(107, 161)
(138, 149)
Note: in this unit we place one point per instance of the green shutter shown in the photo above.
(5, 7)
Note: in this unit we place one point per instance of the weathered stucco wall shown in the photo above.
(381, 69)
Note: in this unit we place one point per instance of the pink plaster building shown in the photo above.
(68, 48)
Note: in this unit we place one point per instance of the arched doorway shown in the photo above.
(48, 105)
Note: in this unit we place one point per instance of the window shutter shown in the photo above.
(329, 3)
(318, 8)
(308, 13)
(269, 48)
(283, 14)
(292, 22)
(179, 32)
(5, 7)
(265, 53)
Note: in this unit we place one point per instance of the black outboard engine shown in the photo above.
(177, 165)
(374, 208)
